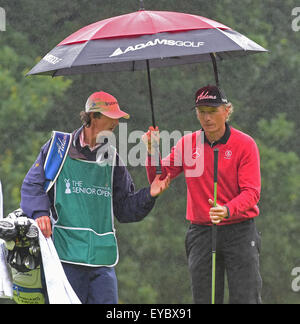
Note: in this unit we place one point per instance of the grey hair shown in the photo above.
(231, 109)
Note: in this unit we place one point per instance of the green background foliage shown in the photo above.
(264, 89)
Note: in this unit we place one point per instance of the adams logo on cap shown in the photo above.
(205, 95)
(210, 96)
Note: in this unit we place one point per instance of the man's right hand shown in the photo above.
(151, 139)
(159, 186)
(44, 224)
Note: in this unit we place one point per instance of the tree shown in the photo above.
(279, 208)
(24, 104)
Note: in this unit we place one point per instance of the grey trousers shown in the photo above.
(238, 248)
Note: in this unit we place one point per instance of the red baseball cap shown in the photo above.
(106, 104)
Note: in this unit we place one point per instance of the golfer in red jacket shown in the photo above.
(239, 185)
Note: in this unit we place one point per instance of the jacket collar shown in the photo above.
(223, 140)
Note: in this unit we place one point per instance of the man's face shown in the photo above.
(212, 119)
(105, 123)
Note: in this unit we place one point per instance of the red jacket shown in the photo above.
(239, 181)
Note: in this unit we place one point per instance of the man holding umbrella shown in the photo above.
(92, 187)
(239, 185)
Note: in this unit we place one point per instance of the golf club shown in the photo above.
(214, 229)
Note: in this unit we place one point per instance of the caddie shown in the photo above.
(78, 203)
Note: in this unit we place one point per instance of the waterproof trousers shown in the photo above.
(238, 248)
(93, 285)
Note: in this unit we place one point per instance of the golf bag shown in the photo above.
(21, 238)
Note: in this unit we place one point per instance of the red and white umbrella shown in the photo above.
(144, 40)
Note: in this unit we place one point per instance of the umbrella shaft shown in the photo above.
(142, 7)
(214, 62)
(150, 93)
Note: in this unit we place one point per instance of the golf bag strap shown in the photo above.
(57, 153)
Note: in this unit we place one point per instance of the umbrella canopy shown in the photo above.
(144, 39)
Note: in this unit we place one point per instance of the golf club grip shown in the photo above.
(157, 159)
(158, 168)
(216, 159)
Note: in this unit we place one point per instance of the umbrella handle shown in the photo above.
(156, 147)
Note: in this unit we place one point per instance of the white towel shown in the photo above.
(58, 286)
(1, 201)
(6, 290)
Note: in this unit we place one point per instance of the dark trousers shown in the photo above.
(93, 285)
(238, 248)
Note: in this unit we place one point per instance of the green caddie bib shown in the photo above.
(84, 232)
